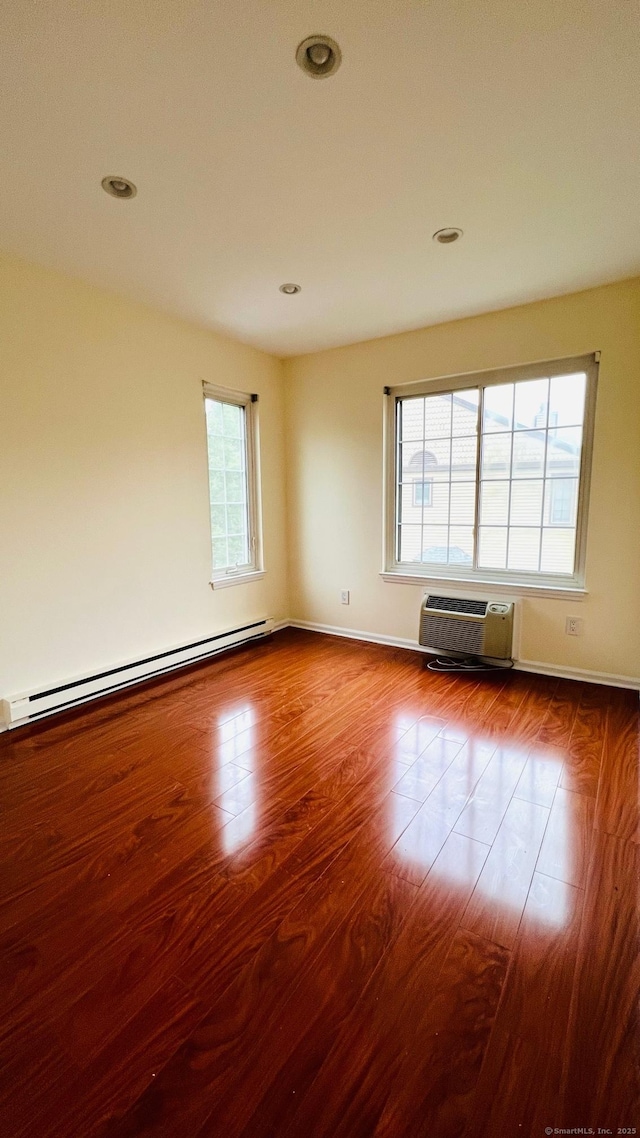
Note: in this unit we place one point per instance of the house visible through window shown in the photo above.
(488, 475)
(233, 490)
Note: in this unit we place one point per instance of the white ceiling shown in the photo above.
(516, 121)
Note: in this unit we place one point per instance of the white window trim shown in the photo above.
(254, 571)
(538, 584)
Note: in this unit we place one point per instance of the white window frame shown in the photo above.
(549, 584)
(222, 578)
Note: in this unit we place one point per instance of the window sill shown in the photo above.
(553, 592)
(237, 579)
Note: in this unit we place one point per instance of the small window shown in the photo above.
(487, 475)
(562, 501)
(422, 493)
(233, 483)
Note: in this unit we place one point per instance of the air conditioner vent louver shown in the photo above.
(456, 604)
(452, 636)
(468, 627)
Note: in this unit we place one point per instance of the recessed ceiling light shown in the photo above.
(447, 236)
(319, 56)
(119, 187)
(290, 289)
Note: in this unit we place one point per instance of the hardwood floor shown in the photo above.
(312, 890)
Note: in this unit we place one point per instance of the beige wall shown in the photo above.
(104, 552)
(334, 435)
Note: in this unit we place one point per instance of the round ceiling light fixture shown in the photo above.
(319, 56)
(290, 289)
(447, 236)
(118, 187)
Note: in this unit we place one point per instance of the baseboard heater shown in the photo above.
(28, 706)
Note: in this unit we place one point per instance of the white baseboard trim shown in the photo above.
(278, 625)
(609, 679)
(355, 634)
(557, 670)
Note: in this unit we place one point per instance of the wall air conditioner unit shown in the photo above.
(466, 627)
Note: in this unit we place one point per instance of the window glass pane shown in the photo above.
(216, 485)
(232, 420)
(435, 545)
(233, 456)
(496, 456)
(463, 497)
(464, 457)
(524, 549)
(416, 461)
(528, 454)
(566, 407)
(561, 502)
(422, 493)
(461, 546)
(220, 555)
(558, 550)
(494, 503)
(492, 548)
(214, 417)
(410, 542)
(526, 503)
(532, 398)
(238, 549)
(411, 418)
(437, 416)
(563, 451)
(439, 508)
(236, 486)
(235, 519)
(218, 521)
(498, 408)
(465, 412)
(407, 506)
(216, 452)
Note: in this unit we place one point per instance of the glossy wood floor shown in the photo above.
(312, 890)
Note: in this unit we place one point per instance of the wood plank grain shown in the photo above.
(488, 803)
(350, 1092)
(434, 1087)
(584, 752)
(601, 1077)
(102, 1091)
(499, 898)
(567, 841)
(618, 802)
(537, 994)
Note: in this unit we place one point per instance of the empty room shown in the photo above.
(319, 569)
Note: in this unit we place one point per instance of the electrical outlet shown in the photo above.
(573, 626)
(344, 597)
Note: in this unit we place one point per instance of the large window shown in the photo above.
(505, 456)
(233, 484)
